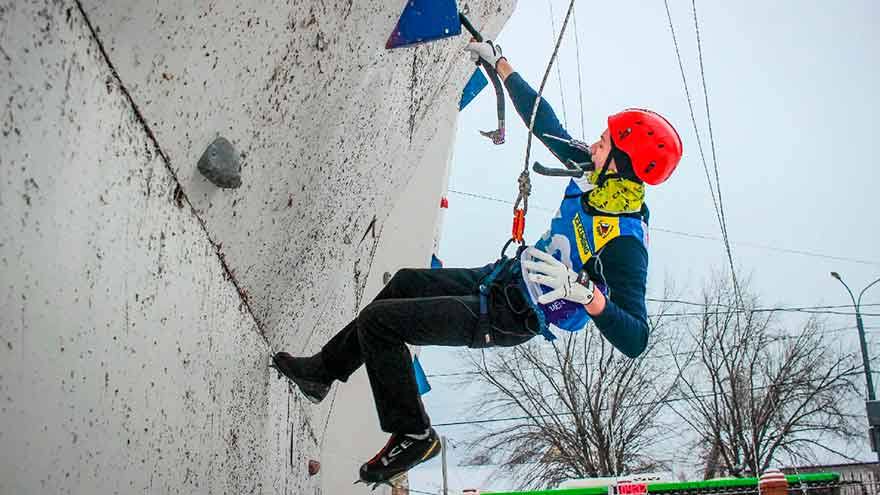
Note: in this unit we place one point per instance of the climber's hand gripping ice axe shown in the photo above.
(429, 20)
(572, 169)
(497, 136)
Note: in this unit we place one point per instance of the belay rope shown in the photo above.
(483, 337)
(524, 182)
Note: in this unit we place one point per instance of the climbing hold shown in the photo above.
(444, 203)
(314, 467)
(435, 262)
(220, 164)
(473, 87)
(425, 20)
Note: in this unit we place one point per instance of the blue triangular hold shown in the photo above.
(473, 87)
(425, 20)
(435, 262)
(421, 379)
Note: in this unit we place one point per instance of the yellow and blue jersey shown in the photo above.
(575, 236)
(612, 248)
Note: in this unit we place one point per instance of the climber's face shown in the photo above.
(600, 149)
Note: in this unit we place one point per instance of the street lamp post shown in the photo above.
(871, 405)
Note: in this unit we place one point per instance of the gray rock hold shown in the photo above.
(221, 164)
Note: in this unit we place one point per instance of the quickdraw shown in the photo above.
(525, 185)
(519, 214)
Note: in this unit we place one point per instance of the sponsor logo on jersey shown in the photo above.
(580, 236)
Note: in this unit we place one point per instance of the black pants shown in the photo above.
(423, 307)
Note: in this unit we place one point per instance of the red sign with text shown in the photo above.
(632, 489)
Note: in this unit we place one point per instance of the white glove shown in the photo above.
(565, 283)
(485, 50)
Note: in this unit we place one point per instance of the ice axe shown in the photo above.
(424, 21)
(572, 169)
(497, 136)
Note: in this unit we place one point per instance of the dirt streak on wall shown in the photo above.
(138, 302)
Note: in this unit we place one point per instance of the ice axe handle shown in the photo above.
(497, 136)
(470, 27)
(556, 172)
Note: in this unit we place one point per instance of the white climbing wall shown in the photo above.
(138, 302)
(407, 241)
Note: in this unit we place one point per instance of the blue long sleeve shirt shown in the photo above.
(622, 264)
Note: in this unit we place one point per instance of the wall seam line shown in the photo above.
(167, 162)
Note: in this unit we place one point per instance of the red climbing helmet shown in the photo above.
(649, 140)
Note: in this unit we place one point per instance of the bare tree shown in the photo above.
(583, 409)
(753, 389)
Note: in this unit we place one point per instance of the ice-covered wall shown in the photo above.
(138, 302)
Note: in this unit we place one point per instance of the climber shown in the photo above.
(591, 265)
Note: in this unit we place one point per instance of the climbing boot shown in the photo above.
(400, 454)
(308, 373)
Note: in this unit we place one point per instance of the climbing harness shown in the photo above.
(506, 269)
(483, 337)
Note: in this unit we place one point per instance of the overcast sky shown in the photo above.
(791, 94)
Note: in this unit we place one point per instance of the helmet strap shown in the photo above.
(624, 166)
(603, 172)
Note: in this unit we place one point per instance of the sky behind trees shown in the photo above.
(791, 96)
